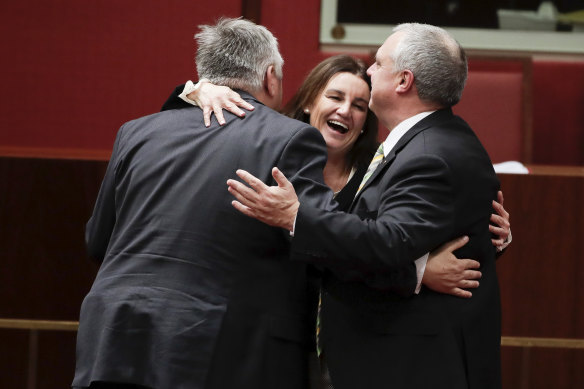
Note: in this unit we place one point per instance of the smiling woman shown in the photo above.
(339, 114)
(334, 98)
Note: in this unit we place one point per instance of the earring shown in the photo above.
(307, 111)
(361, 131)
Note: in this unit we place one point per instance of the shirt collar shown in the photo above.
(400, 130)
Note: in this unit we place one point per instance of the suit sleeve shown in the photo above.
(175, 102)
(414, 216)
(302, 162)
(100, 226)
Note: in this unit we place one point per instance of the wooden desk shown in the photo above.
(542, 276)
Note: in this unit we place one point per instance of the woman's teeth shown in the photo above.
(338, 126)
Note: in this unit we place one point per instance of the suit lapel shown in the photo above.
(423, 124)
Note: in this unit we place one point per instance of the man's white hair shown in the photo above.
(236, 53)
(436, 59)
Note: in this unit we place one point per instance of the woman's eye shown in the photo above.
(336, 98)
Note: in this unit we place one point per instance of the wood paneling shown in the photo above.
(44, 271)
(540, 276)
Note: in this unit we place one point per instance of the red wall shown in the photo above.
(74, 71)
(558, 112)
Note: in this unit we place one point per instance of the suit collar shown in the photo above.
(247, 96)
(420, 126)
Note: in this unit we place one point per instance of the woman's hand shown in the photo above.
(215, 98)
(502, 227)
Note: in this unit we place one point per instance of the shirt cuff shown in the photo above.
(190, 87)
(420, 268)
(506, 243)
(293, 226)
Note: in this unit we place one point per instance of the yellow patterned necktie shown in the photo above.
(377, 158)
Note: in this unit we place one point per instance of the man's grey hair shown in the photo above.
(236, 53)
(436, 59)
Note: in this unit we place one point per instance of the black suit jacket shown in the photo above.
(435, 185)
(191, 293)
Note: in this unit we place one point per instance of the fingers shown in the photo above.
(235, 102)
(472, 274)
(245, 105)
(469, 284)
(501, 233)
(242, 208)
(499, 220)
(455, 244)
(280, 178)
(234, 109)
(461, 293)
(251, 180)
(218, 111)
(501, 229)
(207, 116)
(500, 210)
(498, 206)
(469, 264)
(242, 193)
(498, 243)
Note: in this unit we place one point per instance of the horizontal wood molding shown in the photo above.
(520, 341)
(55, 153)
(512, 341)
(26, 324)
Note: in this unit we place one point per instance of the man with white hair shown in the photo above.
(190, 293)
(431, 181)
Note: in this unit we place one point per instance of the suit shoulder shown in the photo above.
(279, 122)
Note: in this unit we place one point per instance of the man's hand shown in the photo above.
(447, 274)
(274, 205)
(503, 226)
(214, 98)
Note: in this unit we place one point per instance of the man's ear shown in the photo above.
(406, 81)
(271, 82)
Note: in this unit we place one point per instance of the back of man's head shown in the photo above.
(436, 59)
(236, 53)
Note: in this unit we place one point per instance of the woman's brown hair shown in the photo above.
(314, 83)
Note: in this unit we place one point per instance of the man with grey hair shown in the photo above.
(190, 293)
(431, 181)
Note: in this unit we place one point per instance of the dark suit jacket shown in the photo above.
(175, 102)
(435, 185)
(191, 293)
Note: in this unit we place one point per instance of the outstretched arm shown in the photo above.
(278, 206)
